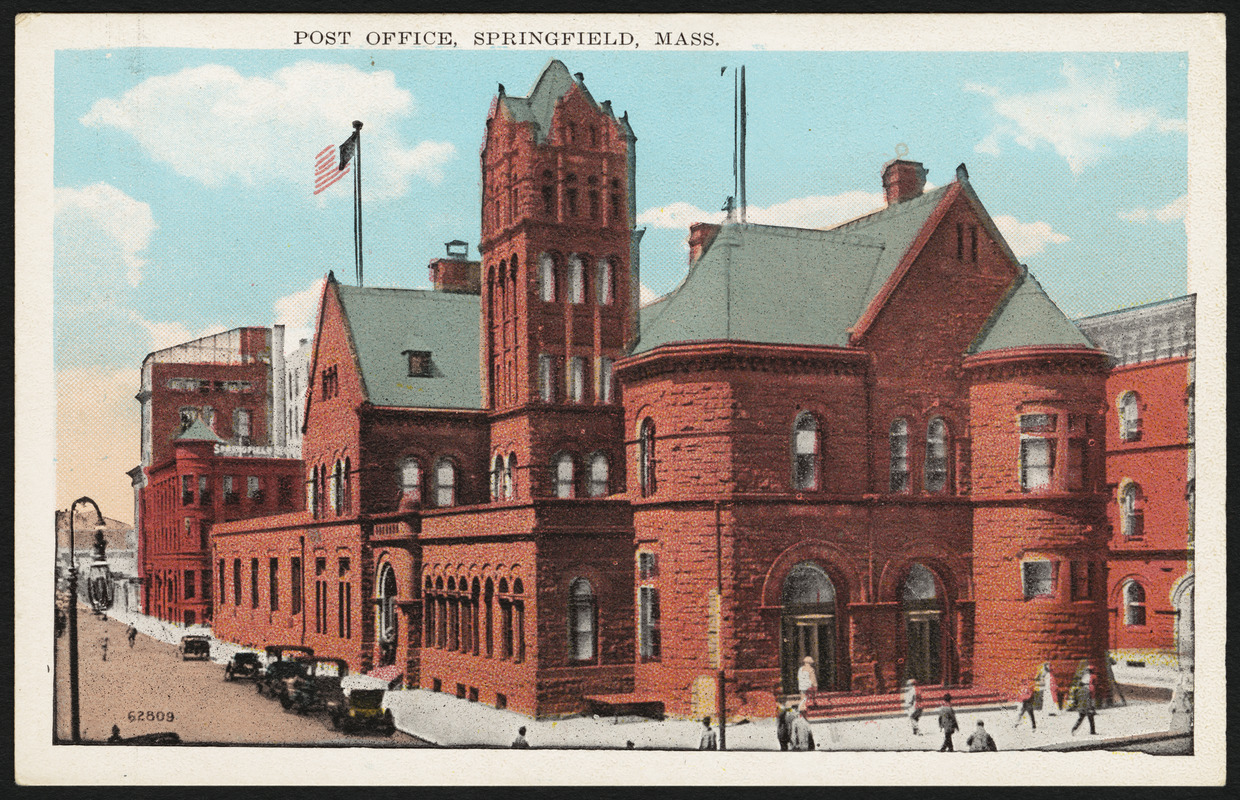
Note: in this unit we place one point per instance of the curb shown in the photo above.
(1112, 742)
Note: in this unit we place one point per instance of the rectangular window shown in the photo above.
(1037, 463)
(1078, 463)
(647, 566)
(222, 597)
(187, 490)
(254, 488)
(419, 363)
(604, 380)
(1038, 423)
(1083, 578)
(577, 379)
(236, 582)
(506, 639)
(253, 583)
(650, 637)
(230, 490)
(204, 489)
(241, 425)
(273, 589)
(285, 491)
(189, 584)
(295, 581)
(546, 378)
(1038, 578)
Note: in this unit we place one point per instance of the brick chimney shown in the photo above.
(701, 234)
(456, 274)
(903, 180)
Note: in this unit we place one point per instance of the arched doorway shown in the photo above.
(1183, 603)
(923, 626)
(808, 625)
(388, 630)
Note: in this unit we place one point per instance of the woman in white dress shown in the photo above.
(807, 680)
(1050, 692)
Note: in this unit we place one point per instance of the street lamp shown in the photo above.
(99, 589)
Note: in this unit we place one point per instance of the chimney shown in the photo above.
(456, 274)
(701, 235)
(903, 180)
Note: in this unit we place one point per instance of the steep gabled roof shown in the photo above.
(385, 323)
(539, 106)
(199, 431)
(760, 283)
(1027, 317)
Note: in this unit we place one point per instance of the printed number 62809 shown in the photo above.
(150, 716)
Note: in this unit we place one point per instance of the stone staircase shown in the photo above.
(849, 705)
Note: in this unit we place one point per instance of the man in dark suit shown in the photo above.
(947, 723)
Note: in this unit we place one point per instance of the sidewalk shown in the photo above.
(448, 721)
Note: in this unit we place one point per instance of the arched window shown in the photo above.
(428, 601)
(488, 600)
(898, 437)
(518, 613)
(581, 621)
(805, 452)
(445, 482)
(497, 477)
(1132, 513)
(338, 487)
(387, 604)
(312, 493)
(645, 457)
(510, 477)
(1130, 417)
(602, 282)
(564, 475)
(1134, 604)
(411, 480)
(348, 485)
(598, 475)
(936, 455)
(576, 280)
(546, 278)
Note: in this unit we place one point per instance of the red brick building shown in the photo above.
(212, 450)
(879, 446)
(1150, 477)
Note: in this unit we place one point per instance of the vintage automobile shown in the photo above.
(316, 686)
(362, 706)
(244, 665)
(283, 662)
(195, 646)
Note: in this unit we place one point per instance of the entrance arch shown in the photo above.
(1182, 602)
(808, 626)
(922, 608)
(388, 630)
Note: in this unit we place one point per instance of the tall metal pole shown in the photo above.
(75, 727)
(743, 116)
(357, 199)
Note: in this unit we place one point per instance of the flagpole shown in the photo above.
(357, 200)
(743, 115)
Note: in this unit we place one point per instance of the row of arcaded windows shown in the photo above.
(577, 378)
(461, 617)
(230, 486)
(563, 476)
(443, 485)
(330, 488)
(572, 285)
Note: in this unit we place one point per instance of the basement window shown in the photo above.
(419, 363)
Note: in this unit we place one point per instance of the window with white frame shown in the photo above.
(603, 282)
(582, 620)
(510, 477)
(241, 425)
(564, 475)
(1134, 603)
(805, 452)
(1038, 578)
(497, 477)
(598, 475)
(898, 443)
(546, 278)
(445, 483)
(576, 280)
(1132, 513)
(577, 379)
(646, 457)
(1037, 451)
(604, 380)
(651, 640)
(1130, 417)
(253, 487)
(411, 480)
(546, 378)
(936, 455)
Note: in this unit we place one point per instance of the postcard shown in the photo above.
(463, 399)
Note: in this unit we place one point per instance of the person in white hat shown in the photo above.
(807, 680)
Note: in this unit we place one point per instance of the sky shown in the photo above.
(184, 205)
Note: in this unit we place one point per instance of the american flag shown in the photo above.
(326, 170)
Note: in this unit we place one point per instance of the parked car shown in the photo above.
(244, 665)
(361, 708)
(317, 686)
(195, 646)
(282, 664)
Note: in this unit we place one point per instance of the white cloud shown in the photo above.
(214, 125)
(1079, 120)
(101, 233)
(815, 211)
(1172, 212)
(297, 312)
(1028, 239)
(167, 334)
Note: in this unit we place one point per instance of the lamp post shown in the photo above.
(99, 588)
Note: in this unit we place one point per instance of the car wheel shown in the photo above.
(286, 702)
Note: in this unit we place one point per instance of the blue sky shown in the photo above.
(183, 177)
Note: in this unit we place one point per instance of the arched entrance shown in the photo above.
(923, 626)
(1183, 603)
(388, 630)
(808, 625)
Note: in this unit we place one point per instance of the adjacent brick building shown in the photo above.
(880, 446)
(1150, 472)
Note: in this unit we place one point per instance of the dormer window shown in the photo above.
(419, 363)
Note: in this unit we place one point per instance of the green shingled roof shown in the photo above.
(539, 106)
(760, 283)
(386, 322)
(1028, 318)
(199, 431)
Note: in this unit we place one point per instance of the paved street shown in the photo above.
(192, 697)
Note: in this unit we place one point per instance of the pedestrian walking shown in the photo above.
(947, 724)
(802, 735)
(1085, 702)
(1050, 691)
(912, 703)
(709, 740)
(520, 743)
(131, 633)
(980, 741)
(104, 645)
(116, 735)
(807, 680)
(783, 725)
(1026, 706)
